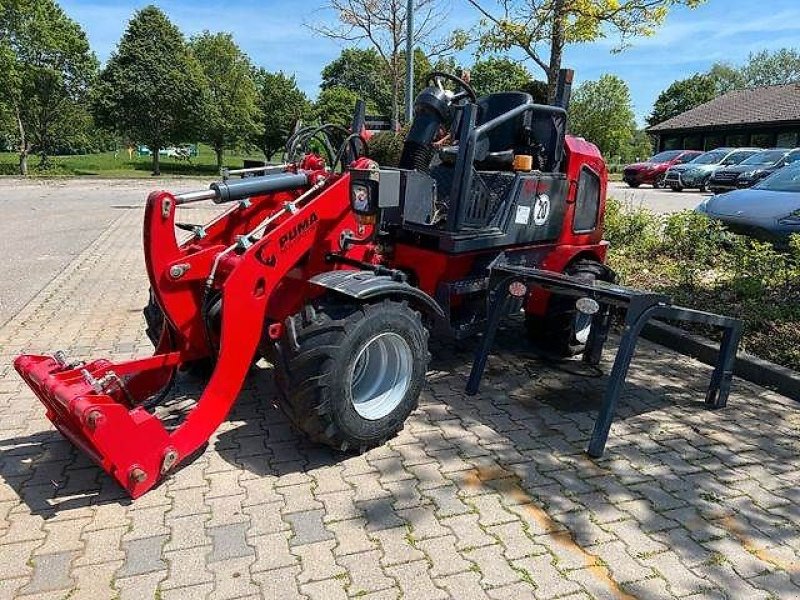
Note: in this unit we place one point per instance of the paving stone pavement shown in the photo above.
(483, 497)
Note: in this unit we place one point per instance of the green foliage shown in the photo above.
(153, 89)
(772, 68)
(363, 72)
(601, 112)
(641, 147)
(381, 25)
(702, 265)
(369, 76)
(386, 147)
(336, 105)
(531, 25)
(46, 67)
(499, 74)
(230, 116)
(281, 105)
(760, 69)
(681, 96)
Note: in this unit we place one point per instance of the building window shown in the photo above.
(786, 139)
(737, 140)
(762, 140)
(713, 141)
(672, 143)
(693, 142)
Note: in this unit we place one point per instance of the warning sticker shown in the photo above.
(523, 215)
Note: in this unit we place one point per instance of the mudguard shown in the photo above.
(366, 286)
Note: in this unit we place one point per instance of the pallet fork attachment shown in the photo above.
(510, 284)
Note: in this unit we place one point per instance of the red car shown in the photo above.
(652, 172)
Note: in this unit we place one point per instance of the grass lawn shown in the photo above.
(117, 164)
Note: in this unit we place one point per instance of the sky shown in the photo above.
(276, 35)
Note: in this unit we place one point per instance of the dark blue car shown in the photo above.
(769, 210)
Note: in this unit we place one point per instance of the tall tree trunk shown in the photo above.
(218, 149)
(556, 48)
(23, 146)
(156, 160)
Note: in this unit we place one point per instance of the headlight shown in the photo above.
(364, 193)
(361, 202)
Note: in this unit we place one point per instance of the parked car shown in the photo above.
(769, 210)
(653, 170)
(751, 170)
(695, 174)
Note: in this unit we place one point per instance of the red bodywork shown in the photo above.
(649, 172)
(259, 286)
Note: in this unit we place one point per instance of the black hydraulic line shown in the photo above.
(343, 149)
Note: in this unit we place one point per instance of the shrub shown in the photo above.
(386, 147)
(700, 264)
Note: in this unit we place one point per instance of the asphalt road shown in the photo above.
(45, 224)
(658, 201)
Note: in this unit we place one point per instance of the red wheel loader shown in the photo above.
(336, 269)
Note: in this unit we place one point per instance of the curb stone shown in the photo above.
(752, 368)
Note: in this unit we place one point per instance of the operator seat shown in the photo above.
(504, 139)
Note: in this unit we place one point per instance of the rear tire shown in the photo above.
(659, 182)
(676, 188)
(633, 184)
(349, 375)
(155, 320)
(563, 330)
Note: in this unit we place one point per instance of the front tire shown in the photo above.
(563, 330)
(348, 375)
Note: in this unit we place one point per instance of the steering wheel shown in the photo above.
(436, 78)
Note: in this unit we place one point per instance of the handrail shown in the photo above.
(515, 112)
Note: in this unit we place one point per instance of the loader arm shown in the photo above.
(98, 405)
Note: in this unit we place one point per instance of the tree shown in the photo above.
(641, 147)
(772, 68)
(601, 112)
(683, 95)
(530, 25)
(363, 72)
(281, 104)
(336, 105)
(499, 74)
(152, 90)
(231, 112)
(382, 25)
(726, 77)
(46, 67)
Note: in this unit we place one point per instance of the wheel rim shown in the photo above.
(381, 375)
(582, 325)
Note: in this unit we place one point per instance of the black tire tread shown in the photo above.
(553, 331)
(303, 366)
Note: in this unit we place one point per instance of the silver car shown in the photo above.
(695, 174)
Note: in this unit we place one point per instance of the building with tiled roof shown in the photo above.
(763, 116)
